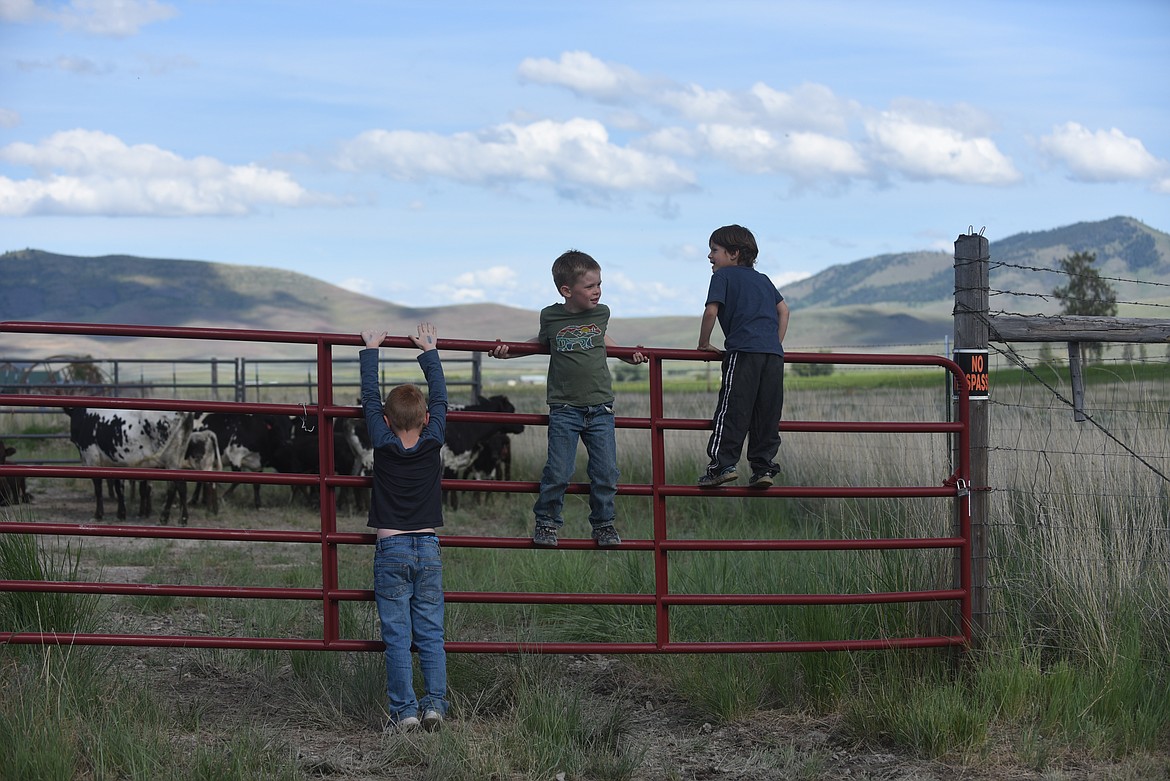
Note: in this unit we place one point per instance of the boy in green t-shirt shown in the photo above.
(580, 400)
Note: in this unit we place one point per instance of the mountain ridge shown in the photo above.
(1124, 247)
(891, 299)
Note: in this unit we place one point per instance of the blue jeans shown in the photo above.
(566, 426)
(408, 590)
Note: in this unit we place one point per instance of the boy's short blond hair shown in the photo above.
(569, 267)
(406, 408)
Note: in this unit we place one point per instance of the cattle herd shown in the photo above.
(245, 442)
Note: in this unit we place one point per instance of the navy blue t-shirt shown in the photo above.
(747, 310)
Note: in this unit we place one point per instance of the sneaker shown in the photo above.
(761, 480)
(709, 480)
(432, 720)
(408, 724)
(545, 537)
(606, 537)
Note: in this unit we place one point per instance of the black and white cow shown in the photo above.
(479, 451)
(143, 439)
(248, 443)
(13, 490)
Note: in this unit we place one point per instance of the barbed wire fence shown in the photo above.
(1074, 481)
(1077, 453)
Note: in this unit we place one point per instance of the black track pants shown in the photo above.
(751, 399)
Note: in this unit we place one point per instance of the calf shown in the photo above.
(248, 442)
(476, 450)
(13, 490)
(357, 438)
(493, 461)
(203, 456)
(133, 438)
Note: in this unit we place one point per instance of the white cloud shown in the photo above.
(807, 133)
(1101, 156)
(585, 75)
(684, 251)
(20, 11)
(809, 107)
(782, 278)
(702, 105)
(646, 292)
(86, 172)
(113, 18)
(78, 65)
(161, 64)
(494, 283)
(357, 285)
(801, 155)
(9, 118)
(576, 153)
(924, 151)
(676, 141)
(958, 116)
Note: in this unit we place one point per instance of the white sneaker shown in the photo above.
(432, 720)
(408, 724)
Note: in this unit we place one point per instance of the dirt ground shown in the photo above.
(676, 742)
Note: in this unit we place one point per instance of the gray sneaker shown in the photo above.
(709, 480)
(606, 537)
(408, 724)
(432, 720)
(545, 537)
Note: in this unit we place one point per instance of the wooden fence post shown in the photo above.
(972, 254)
(1077, 380)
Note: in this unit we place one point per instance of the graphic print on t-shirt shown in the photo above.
(578, 337)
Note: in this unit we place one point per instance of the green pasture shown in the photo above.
(1072, 669)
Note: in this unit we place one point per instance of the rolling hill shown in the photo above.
(888, 300)
(1125, 249)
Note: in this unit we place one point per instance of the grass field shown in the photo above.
(1070, 680)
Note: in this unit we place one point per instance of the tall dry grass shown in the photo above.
(1078, 643)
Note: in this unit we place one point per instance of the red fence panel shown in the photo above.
(660, 546)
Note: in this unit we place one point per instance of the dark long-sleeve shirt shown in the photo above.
(407, 493)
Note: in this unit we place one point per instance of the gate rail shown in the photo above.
(660, 546)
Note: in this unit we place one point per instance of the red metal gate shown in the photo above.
(328, 538)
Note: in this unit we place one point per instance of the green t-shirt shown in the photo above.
(577, 372)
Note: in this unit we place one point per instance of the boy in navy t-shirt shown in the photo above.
(754, 319)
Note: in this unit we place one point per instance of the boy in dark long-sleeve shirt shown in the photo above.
(407, 434)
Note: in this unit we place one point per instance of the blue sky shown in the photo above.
(433, 153)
